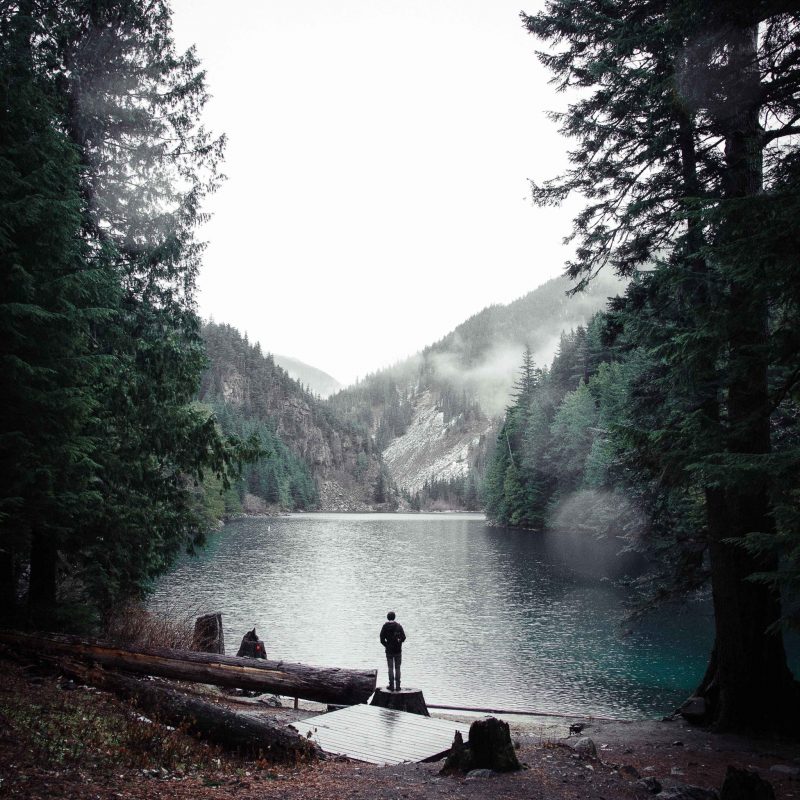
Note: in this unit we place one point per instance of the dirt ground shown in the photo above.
(58, 740)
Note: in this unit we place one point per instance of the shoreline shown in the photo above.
(60, 740)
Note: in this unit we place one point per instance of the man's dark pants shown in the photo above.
(393, 661)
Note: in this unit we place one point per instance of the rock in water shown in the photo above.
(742, 784)
(491, 747)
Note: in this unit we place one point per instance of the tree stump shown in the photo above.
(459, 759)
(410, 700)
(208, 636)
(490, 742)
(489, 747)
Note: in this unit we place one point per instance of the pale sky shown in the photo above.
(377, 162)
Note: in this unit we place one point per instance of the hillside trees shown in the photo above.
(686, 153)
(305, 441)
(278, 476)
(106, 166)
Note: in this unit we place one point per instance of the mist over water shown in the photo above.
(493, 619)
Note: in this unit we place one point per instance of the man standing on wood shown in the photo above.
(392, 638)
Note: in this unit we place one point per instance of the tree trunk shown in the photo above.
(322, 684)
(235, 731)
(8, 586)
(42, 584)
(748, 685)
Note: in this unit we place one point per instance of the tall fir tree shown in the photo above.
(106, 165)
(683, 135)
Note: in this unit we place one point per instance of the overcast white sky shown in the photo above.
(378, 157)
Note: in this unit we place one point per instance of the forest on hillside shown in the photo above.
(243, 389)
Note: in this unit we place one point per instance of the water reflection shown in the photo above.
(491, 618)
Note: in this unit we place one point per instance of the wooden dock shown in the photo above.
(380, 735)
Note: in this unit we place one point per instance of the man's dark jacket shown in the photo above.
(392, 637)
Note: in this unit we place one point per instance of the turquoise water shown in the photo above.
(492, 619)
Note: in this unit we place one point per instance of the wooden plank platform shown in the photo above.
(380, 735)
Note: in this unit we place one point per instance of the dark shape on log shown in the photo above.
(244, 733)
(208, 636)
(251, 646)
(742, 784)
(321, 684)
(489, 747)
(410, 700)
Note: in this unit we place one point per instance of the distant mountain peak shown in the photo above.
(319, 382)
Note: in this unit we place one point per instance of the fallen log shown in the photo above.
(235, 731)
(321, 684)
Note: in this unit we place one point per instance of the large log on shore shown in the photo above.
(241, 732)
(322, 684)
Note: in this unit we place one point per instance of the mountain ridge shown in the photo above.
(404, 435)
(431, 415)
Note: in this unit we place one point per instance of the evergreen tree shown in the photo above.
(50, 297)
(682, 106)
(105, 166)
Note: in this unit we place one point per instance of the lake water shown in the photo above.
(492, 618)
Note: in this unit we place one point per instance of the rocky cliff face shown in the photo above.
(342, 460)
(432, 448)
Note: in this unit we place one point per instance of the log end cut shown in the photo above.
(410, 700)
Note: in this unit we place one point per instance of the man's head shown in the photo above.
(390, 615)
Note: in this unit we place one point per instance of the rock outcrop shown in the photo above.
(431, 448)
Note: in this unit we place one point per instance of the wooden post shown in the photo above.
(411, 700)
(208, 636)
